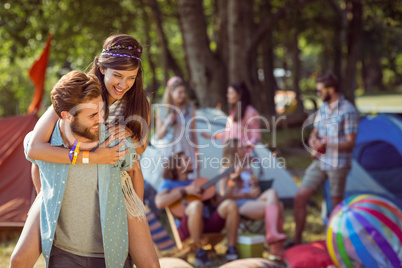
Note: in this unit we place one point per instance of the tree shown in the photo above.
(208, 76)
(354, 45)
(209, 43)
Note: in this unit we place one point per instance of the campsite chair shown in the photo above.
(149, 198)
(248, 225)
(208, 241)
(164, 245)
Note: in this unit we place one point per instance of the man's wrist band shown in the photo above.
(71, 153)
(76, 152)
(85, 157)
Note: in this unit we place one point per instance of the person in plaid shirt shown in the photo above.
(331, 143)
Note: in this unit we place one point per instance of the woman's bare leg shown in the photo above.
(141, 246)
(255, 209)
(28, 247)
(36, 177)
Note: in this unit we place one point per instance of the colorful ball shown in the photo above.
(365, 231)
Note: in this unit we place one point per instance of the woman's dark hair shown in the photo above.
(244, 100)
(170, 168)
(134, 100)
(229, 152)
(329, 80)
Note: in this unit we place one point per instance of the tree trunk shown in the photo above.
(354, 46)
(239, 33)
(154, 85)
(266, 24)
(338, 41)
(221, 30)
(168, 61)
(269, 83)
(296, 68)
(372, 73)
(339, 38)
(208, 75)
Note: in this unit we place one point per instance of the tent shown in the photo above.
(377, 159)
(16, 188)
(212, 120)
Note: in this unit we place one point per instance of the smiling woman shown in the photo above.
(118, 82)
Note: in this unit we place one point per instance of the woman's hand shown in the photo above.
(254, 191)
(119, 131)
(236, 173)
(106, 155)
(171, 119)
(206, 135)
(253, 181)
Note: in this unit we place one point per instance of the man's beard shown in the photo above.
(327, 97)
(84, 132)
(189, 169)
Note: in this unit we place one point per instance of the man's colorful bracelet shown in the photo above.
(76, 152)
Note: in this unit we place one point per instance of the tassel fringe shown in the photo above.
(134, 206)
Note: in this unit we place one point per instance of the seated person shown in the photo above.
(199, 218)
(243, 186)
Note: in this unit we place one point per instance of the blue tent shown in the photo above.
(377, 164)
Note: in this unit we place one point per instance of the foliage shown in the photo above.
(80, 27)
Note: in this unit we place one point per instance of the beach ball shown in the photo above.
(365, 231)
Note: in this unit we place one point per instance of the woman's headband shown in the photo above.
(105, 51)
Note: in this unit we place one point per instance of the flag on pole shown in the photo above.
(37, 73)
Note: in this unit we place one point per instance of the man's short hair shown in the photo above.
(170, 167)
(329, 80)
(72, 89)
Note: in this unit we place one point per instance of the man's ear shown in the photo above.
(66, 116)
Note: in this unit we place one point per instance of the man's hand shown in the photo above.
(194, 189)
(313, 142)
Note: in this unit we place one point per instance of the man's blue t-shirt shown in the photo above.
(170, 185)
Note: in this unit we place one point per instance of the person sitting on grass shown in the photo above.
(199, 218)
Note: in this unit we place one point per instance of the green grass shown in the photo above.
(367, 103)
(8, 239)
(289, 145)
(315, 230)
